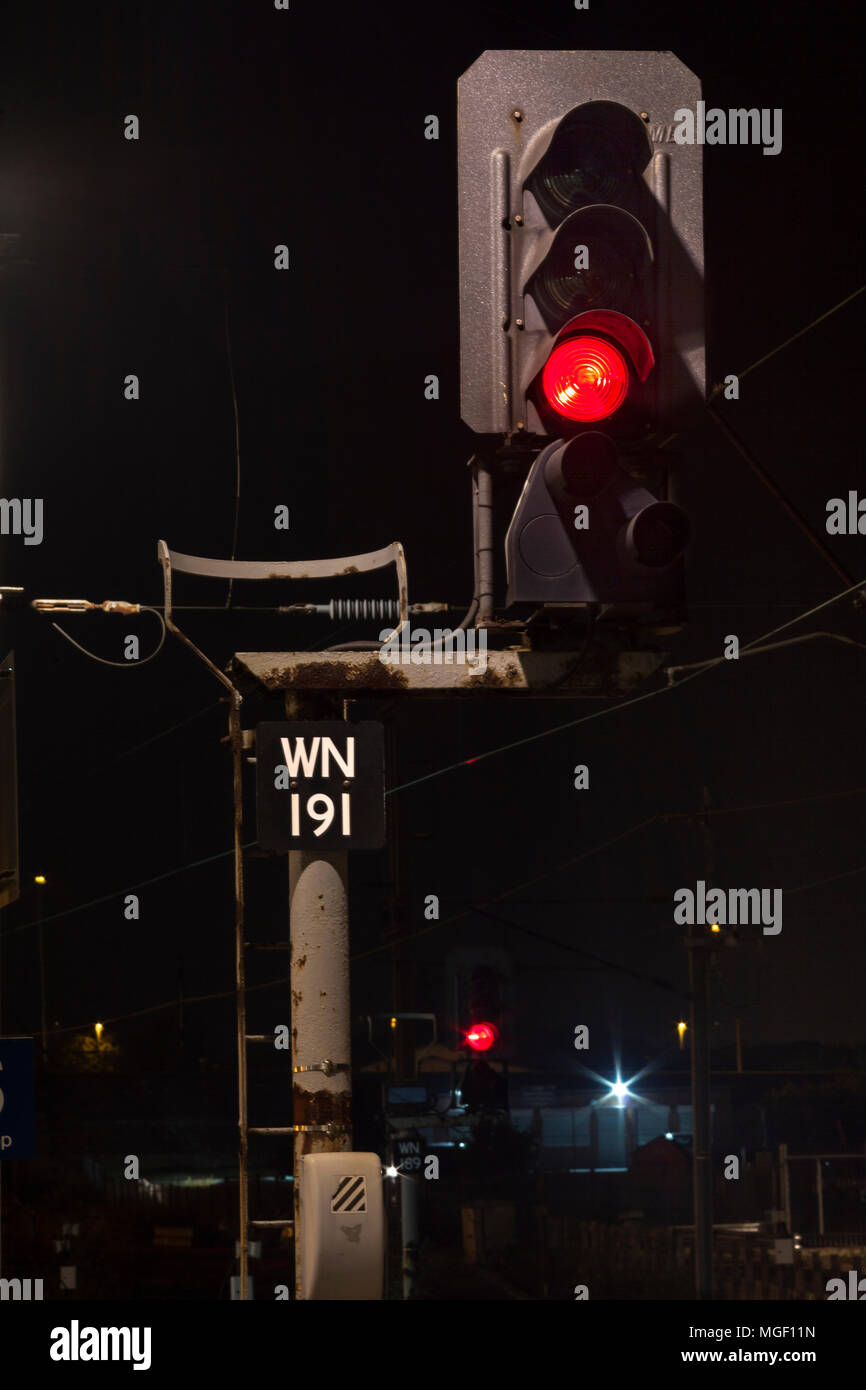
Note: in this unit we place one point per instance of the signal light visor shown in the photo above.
(585, 379)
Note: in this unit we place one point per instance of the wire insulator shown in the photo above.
(364, 609)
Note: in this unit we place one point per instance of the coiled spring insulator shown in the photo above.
(369, 609)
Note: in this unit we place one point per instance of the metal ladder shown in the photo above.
(241, 740)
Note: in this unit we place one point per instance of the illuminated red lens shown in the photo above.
(585, 379)
(481, 1036)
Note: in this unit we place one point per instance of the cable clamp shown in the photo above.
(328, 1067)
(330, 1129)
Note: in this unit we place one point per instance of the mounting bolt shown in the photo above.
(517, 114)
(644, 115)
(518, 219)
(518, 323)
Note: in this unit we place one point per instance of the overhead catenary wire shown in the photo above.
(284, 979)
(769, 647)
(509, 892)
(459, 916)
(717, 390)
(763, 805)
(441, 772)
(785, 502)
(622, 704)
(531, 738)
(601, 961)
(172, 728)
(757, 467)
(759, 362)
(661, 816)
(117, 892)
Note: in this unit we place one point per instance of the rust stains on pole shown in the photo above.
(322, 1094)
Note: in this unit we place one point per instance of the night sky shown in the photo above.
(306, 128)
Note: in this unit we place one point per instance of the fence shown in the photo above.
(652, 1262)
(214, 1206)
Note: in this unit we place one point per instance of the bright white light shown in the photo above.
(669, 1135)
(390, 1172)
(619, 1089)
(461, 1145)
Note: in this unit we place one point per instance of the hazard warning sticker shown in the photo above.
(350, 1194)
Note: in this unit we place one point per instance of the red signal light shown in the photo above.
(585, 379)
(481, 1037)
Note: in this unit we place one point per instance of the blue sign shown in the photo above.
(16, 1097)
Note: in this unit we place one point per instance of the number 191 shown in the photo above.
(320, 808)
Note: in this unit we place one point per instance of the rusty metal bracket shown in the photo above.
(328, 1067)
(330, 1129)
(392, 554)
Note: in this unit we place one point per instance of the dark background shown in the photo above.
(306, 128)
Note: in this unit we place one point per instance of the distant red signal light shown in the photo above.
(481, 1037)
(585, 379)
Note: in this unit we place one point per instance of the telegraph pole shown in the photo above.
(699, 947)
(40, 883)
(402, 970)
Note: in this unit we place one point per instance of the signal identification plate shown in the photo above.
(320, 785)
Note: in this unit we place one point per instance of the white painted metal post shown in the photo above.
(321, 1032)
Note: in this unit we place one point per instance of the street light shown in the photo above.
(40, 881)
(619, 1092)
